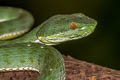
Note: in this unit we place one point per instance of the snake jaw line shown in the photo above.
(57, 38)
(37, 41)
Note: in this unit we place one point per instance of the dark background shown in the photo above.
(101, 47)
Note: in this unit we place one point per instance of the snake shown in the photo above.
(23, 48)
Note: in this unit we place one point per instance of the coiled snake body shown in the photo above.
(32, 51)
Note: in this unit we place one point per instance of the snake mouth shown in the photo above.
(56, 40)
(63, 37)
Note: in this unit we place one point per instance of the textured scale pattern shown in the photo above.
(31, 52)
(31, 56)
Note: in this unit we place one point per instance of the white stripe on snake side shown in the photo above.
(19, 69)
(13, 33)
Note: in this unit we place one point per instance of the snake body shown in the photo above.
(32, 51)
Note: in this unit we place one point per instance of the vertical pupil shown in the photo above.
(73, 26)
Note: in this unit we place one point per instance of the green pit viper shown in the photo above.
(33, 50)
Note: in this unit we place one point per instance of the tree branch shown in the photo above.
(81, 70)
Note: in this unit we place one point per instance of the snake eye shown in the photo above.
(73, 26)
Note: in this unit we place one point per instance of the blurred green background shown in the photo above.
(101, 47)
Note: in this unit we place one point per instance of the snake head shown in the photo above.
(61, 28)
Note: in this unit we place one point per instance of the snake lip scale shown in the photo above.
(33, 51)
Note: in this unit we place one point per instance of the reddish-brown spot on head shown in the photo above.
(73, 26)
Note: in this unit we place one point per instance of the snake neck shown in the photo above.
(30, 36)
